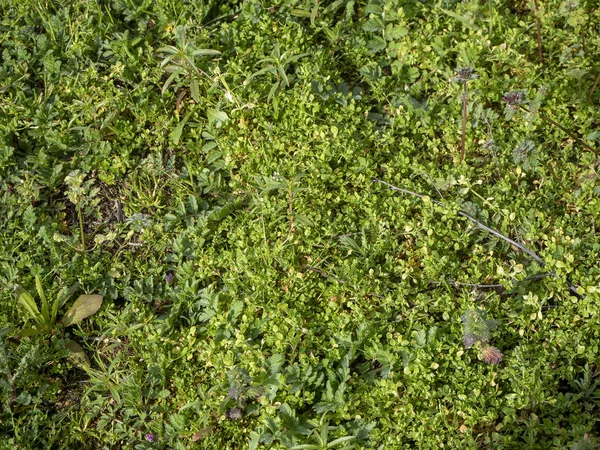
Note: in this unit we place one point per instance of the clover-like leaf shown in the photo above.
(83, 307)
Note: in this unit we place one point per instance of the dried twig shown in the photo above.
(495, 286)
(593, 88)
(539, 30)
(521, 247)
(472, 219)
(569, 133)
(465, 99)
(325, 274)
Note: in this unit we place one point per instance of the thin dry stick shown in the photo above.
(434, 186)
(291, 209)
(325, 274)
(495, 286)
(539, 30)
(464, 123)
(569, 133)
(472, 219)
(521, 247)
(591, 91)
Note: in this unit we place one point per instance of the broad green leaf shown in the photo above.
(335, 5)
(216, 117)
(295, 58)
(299, 13)
(176, 133)
(195, 90)
(462, 19)
(27, 303)
(84, 306)
(173, 68)
(64, 297)
(32, 331)
(339, 441)
(192, 204)
(168, 49)
(6, 330)
(169, 81)
(77, 355)
(205, 52)
(301, 218)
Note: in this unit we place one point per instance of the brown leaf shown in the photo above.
(202, 433)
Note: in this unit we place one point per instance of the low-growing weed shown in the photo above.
(206, 168)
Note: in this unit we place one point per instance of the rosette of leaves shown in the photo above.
(240, 389)
(514, 100)
(525, 155)
(477, 330)
(44, 319)
(181, 60)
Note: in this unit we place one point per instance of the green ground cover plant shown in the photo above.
(299, 224)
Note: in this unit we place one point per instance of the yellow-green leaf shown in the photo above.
(26, 302)
(77, 355)
(83, 307)
(45, 308)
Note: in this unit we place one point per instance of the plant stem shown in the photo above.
(291, 209)
(591, 92)
(539, 30)
(491, 17)
(464, 123)
(521, 247)
(569, 133)
(81, 227)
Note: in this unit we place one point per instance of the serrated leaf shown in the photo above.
(593, 135)
(373, 25)
(83, 307)
(394, 32)
(373, 8)
(192, 204)
(376, 44)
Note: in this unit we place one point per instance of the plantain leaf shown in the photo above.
(195, 90)
(45, 308)
(27, 303)
(64, 297)
(176, 133)
(205, 52)
(77, 356)
(83, 307)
